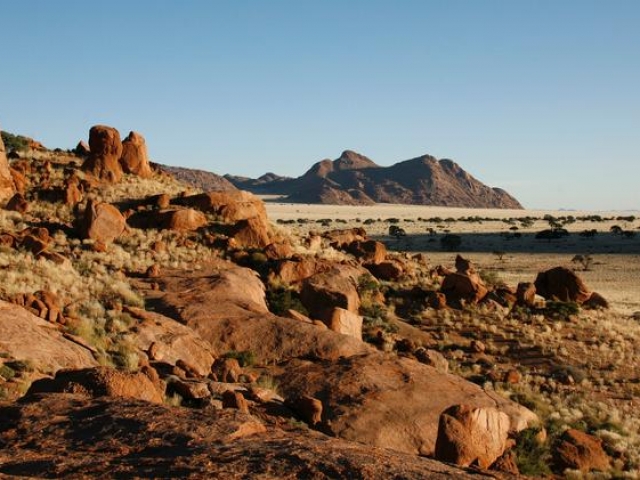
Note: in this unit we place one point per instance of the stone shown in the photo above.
(101, 222)
(26, 336)
(461, 287)
(106, 150)
(402, 398)
(580, 451)
(188, 389)
(250, 233)
(18, 203)
(345, 322)
(182, 220)
(432, 358)
(309, 409)
(321, 293)
(526, 294)
(230, 206)
(82, 149)
(561, 284)
(134, 158)
(72, 193)
(227, 370)
(596, 301)
(100, 381)
(7, 186)
(171, 342)
(369, 251)
(468, 435)
(235, 399)
(390, 270)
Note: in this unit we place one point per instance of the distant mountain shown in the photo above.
(207, 181)
(353, 179)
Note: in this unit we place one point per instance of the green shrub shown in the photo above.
(280, 299)
(7, 372)
(561, 310)
(246, 358)
(532, 456)
(14, 142)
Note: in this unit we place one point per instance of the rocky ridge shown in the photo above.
(353, 179)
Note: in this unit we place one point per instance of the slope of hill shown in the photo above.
(206, 181)
(354, 179)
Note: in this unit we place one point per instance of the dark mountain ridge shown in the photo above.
(355, 179)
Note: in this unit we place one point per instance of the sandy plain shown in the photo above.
(491, 241)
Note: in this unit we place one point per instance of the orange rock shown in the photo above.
(106, 150)
(134, 157)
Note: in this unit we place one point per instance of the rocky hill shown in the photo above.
(353, 179)
(206, 181)
(149, 332)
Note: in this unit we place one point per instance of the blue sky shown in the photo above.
(540, 97)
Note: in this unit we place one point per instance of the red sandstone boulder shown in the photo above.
(581, 451)
(134, 157)
(100, 381)
(345, 322)
(390, 270)
(343, 237)
(459, 287)
(561, 284)
(106, 150)
(321, 293)
(468, 435)
(18, 203)
(400, 398)
(230, 207)
(526, 294)
(101, 222)
(250, 233)
(182, 220)
(368, 251)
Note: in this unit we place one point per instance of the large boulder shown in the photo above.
(106, 150)
(323, 292)
(369, 251)
(230, 207)
(225, 305)
(345, 322)
(24, 336)
(182, 220)
(7, 187)
(100, 381)
(463, 287)
(561, 284)
(580, 451)
(250, 233)
(101, 222)
(468, 435)
(401, 397)
(165, 340)
(134, 157)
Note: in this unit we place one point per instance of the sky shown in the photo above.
(540, 97)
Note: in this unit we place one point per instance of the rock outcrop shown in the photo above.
(101, 222)
(103, 161)
(134, 157)
(98, 382)
(123, 438)
(469, 435)
(401, 397)
(565, 285)
(25, 336)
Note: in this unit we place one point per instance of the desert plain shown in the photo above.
(490, 244)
